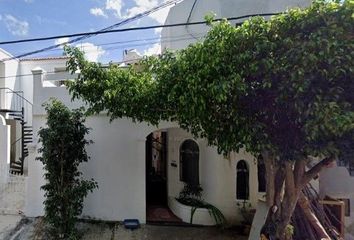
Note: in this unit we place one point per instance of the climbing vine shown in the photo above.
(62, 152)
(282, 88)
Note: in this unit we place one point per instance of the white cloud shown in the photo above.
(144, 5)
(116, 6)
(154, 49)
(98, 12)
(92, 52)
(15, 26)
(47, 21)
(61, 41)
(161, 15)
(141, 6)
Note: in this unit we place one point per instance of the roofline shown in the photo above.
(8, 54)
(44, 58)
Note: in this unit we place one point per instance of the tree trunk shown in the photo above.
(282, 204)
(291, 195)
(270, 167)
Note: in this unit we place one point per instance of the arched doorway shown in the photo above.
(157, 210)
(156, 168)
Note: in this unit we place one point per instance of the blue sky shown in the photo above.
(21, 19)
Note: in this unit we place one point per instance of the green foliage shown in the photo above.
(191, 191)
(191, 195)
(63, 150)
(284, 85)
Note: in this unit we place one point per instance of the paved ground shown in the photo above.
(7, 224)
(31, 230)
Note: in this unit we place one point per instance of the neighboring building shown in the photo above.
(140, 168)
(196, 10)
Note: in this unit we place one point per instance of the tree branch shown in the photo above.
(289, 179)
(270, 177)
(310, 174)
(278, 191)
(299, 171)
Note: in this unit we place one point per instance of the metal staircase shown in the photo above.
(14, 106)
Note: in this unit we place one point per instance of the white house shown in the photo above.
(140, 168)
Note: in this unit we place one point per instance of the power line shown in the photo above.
(87, 35)
(125, 30)
(120, 62)
(146, 41)
(130, 29)
(119, 30)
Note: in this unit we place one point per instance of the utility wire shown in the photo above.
(119, 62)
(129, 29)
(146, 41)
(189, 18)
(119, 30)
(86, 35)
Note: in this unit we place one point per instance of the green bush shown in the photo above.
(191, 195)
(63, 150)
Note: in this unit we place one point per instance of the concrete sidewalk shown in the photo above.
(111, 231)
(8, 223)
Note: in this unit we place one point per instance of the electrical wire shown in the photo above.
(146, 41)
(118, 63)
(189, 18)
(121, 30)
(86, 35)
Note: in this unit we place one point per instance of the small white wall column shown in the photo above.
(37, 89)
(4, 150)
(34, 194)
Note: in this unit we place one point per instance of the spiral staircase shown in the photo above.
(13, 105)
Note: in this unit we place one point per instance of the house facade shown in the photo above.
(139, 168)
(136, 165)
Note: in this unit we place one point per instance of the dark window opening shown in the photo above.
(242, 180)
(189, 162)
(261, 174)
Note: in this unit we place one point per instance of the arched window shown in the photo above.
(242, 180)
(189, 162)
(261, 174)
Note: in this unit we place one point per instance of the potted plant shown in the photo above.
(191, 195)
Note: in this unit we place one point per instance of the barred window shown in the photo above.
(242, 180)
(189, 162)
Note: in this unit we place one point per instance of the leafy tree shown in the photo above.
(282, 88)
(63, 150)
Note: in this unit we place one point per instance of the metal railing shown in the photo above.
(11, 100)
(15, 106)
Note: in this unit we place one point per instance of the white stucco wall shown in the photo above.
(181, 37)
(118, 165)
(47, 65)
(9, 71)
(217, 174)
(4, 149)
(343, 188)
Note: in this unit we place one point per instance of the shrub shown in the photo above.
(63, 150)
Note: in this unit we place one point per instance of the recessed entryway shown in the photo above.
(157, 210)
